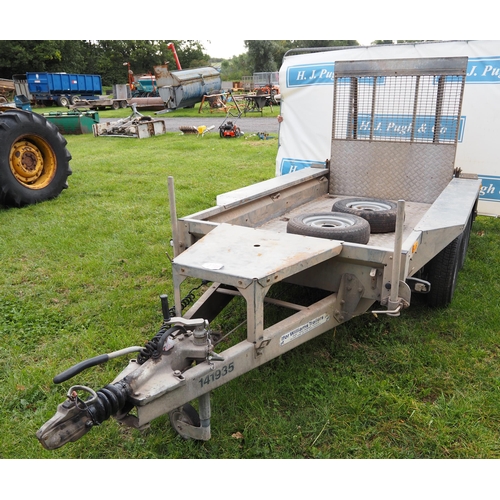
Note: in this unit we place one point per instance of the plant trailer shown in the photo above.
(386, 216)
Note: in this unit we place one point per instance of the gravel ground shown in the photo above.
(247, 124)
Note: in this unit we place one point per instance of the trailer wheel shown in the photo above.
(123, 104)
(464, 246)
(331, 225)
(63, 101)
(184, 414)
(115, 105)
(442, 273)
(381, 214)
(34, 161)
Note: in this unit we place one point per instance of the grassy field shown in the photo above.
(81, 276)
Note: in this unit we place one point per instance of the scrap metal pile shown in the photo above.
(136, 125)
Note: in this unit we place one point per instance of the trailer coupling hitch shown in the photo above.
(75, 417)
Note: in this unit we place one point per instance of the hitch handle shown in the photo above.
(165, 308)
(96, 360)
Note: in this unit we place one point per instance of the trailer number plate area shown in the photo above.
(216, 375)
(303, 329)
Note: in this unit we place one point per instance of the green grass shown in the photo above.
(81, 276)
(194, 112)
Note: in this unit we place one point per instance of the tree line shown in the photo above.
(267, 55)
(111, 58)
(108, 58)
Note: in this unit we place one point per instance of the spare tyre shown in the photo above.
(34, 161)
(381, 214)
(331, 225)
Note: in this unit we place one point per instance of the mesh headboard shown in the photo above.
(396, 124)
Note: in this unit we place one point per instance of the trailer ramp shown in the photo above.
(396, 125)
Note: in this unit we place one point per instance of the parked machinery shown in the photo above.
(185, 88)
(60, 88)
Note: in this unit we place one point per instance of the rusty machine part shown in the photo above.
(136, 125)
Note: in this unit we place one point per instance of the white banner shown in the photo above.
(306, 85)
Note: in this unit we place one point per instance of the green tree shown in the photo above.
(191, 54)
(74, 57)
(103, 57)
(267, 55)
(261, 55)
(19, 56)
(143, 55)
(233, 69)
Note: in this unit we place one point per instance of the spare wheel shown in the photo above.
(331, 225)
(381, 214)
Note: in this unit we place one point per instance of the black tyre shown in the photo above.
(331, 225)
(123, 104)
(184, 414)
(381, 214)
(115, 105)
(464, 244)
(442, 273)
(34, 161)
(63, 101)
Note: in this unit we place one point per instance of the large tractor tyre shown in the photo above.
(381, 214)
(34, 161)
(331, 225)
(442, 273)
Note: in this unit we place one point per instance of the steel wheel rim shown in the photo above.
(373, 206)
(327, 221)
(32, 162)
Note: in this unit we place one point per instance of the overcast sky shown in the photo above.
(227, 28)
(221, 48)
